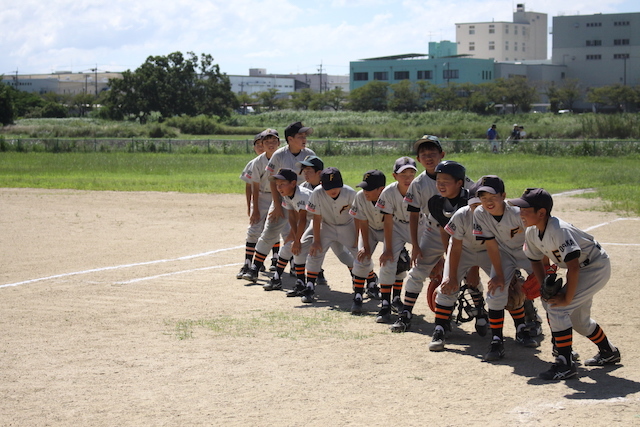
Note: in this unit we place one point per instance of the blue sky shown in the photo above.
(283, 36)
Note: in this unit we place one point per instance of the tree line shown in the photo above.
(189, 85)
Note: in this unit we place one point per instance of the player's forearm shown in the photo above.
(573, 275)
(414, 218)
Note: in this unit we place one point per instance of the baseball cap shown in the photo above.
(258, 137)
(331, 178)
(286, 174)
(428, 139)
(473, 194)
(534, 198)
(373, 179)
(455, 169)
(311, 161)
(404, 163)
(491, 184)
(270, 132)
(296, 128)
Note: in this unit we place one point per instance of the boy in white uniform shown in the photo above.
(329, 204)
(500, 227)
(588, 271)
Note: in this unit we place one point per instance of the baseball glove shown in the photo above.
(516, 294)
(551, 286)
(531, 287)
(404, 261)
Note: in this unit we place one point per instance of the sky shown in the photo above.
(281, 36)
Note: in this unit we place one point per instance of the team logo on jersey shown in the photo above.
(311, 207)
(515, 231)
(353, 211)
(566, 244)
(408, 197)
(345, 207)
(450, 228)
(477, 229)
(302, 205)
(271, 167)
(380, 204)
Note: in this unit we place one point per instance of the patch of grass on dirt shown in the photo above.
(280, 324)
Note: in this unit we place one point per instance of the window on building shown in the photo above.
(425, 75)
(594, 24)
(401, 75)
(620, 56)
(506, 29)
(492, 29)
(506, 45)
(621, 23)
(594, 42)
(450, 74)
(515, 30)
(380, 75)
(594, 57)
(472, 29)
(523, 47)
(472, 46)
(492, 45)
(515, 46)
(621, 42)
(360, 77)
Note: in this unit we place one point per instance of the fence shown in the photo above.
(326, 147)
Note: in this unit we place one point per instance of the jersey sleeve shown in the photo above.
(481, 229)
(530, 248)
(314, 203)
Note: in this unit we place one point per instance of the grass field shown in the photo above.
(615, 180)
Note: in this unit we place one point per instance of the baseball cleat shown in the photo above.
(496, 350)
(242, 272)
(308, 295)
(297, 290)
(560, 370)
(610, 357)
(523, 338)
(373, 291)
(251, 275)
(396, 305)
(356, 306)
(273, 285)
(437, 340)
(482, 325)
(403, 323)
(321, 280)
(274, 263)
(384, 315)
(574, 354)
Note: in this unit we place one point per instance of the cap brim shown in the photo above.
(308, 130)
(487, 189)
(405, 167)
(521, 203)
(474, 200)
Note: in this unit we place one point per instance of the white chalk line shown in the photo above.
(593, 227)
(140, 279)
(119, 267)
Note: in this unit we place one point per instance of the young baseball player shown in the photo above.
(588, 271)
(370, 229)
(500, 227)
(294, 199)
(393, 206)
(329, 204)
(427, 247)
(275, 226)
(252, 232)
(453, 209)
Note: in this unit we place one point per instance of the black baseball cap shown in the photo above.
(455, 169)
(534, 198)
(286, 174)
(404, 163)
(428, 140)
(491, 184)
(373, 179)
(296, 128)
(311, 161)
(270, 132)
(258, 137)
(331, 178)
(473, 194)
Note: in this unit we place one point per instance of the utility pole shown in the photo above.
(320, 71)
(95, 70)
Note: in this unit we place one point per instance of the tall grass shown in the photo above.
(615, 179)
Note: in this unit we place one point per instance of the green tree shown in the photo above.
(518, 93)
(268, 99)
(372, 96)
(569, 93)
(553, 94)
(300, 100)
(82, 103)
(335, 98)
(404, 97)
(172, 85)
(7, 111)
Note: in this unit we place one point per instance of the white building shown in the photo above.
(523, 39)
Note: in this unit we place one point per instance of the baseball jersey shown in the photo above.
(248, 171)
(333, 212)
(441, 209)
(423, 188)
(284, 158)
(393, 203)
(508, 232)
(560, 239)
(460, 227)
(365, 210)
(298, 201)
(259, 173)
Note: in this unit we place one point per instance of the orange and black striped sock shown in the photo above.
(249, 250)
(518, 316)
(280, 266)
(397, 288)
(443, 314)
(385, 291)
(410, 300)
(358, 284)
(564, 342)
(258, 260)
(599, 338)
(275, 250)
(312, 276)
(300, 272)
(496, 322)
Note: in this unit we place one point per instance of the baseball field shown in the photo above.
(122, 308)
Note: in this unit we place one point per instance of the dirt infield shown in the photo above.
(123, 309)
